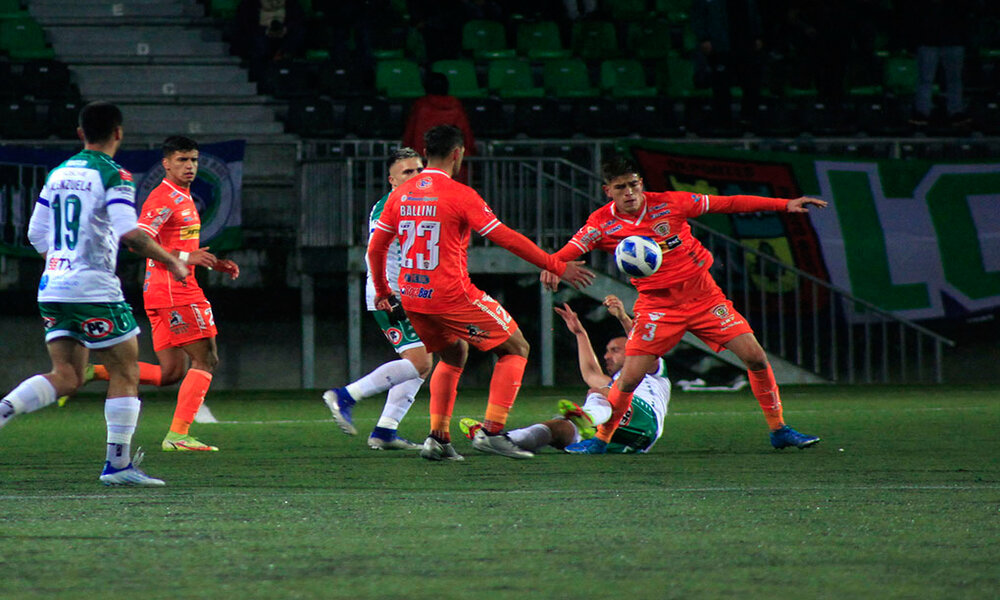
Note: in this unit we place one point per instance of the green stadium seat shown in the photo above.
(626, 10)
(10, 9)
(625, 78)
(223, 9)
(540, 40)
(23, 38)
(398, 78)
(678, 79)
(649, 40)
(568, 78)
(485, 39)
(461, 76)
(512, 78)
(595, 40)
(900, 75)
(671, 8)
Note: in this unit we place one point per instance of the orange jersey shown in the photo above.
(433, 215)
(664, 219)
(170, 217)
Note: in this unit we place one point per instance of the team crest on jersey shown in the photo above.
(97, 327)
(48, 322)
(655, 316)
(662, 228)
(721, 311)
(424, 183)
(394, 335)
(696, 197)
(589, 235)
(177, 323)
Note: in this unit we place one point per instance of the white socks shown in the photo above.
(598, 407)
(121, 415)
(386, 376)
(33, 393)
(399, 401)
(532, 438)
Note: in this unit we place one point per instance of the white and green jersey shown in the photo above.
(642, 425)
(392, 259)
(80, 243)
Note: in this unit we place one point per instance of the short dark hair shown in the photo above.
(616, 166)
(178, 143)
(437, 84)
(440, 140)
(98, 120)
(401, 154)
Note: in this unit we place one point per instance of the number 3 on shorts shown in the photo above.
(650, 334)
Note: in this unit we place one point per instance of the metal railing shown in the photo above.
(796, 315)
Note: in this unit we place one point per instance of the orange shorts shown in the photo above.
(484, 323)
(178, 326)
(657, 329)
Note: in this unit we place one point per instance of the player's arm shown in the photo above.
(38, 226)
(571, 272)
(742, 204)
(590, 368)
(616, 308)
(378, 251)
(138, 241)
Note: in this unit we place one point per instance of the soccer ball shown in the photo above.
(638, 256)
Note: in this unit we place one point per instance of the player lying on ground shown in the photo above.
(681, 296)
(85, 208)
(433, 216)
(640, 427)
(403, 377)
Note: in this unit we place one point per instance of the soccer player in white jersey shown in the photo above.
(641, 426)
(402, 377)
(85, 208)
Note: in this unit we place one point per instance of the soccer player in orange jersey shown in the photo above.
(681, 296)
(179, 314)
(433, 215)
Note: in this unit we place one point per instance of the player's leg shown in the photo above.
(121, 413)
(172, 362)
(444, 389)
(68, 360)
(204, 357)
(398, 402)
(765, 389)
(635, 367)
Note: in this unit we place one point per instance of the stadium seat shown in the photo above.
(47, 79)
(595, 40)
(19, 120)
(343, 80)
(649, 40)
(678, 79)
(485, 39)
(652, 117)
(540, 117)
(223, 9)
(22, 38)
(601, 117)
(900, 75)
(489, 117)
(399, 78)
(674, 9)
(512, 78)
(626, 10)
(461, 76)
(62, 118)
(625, 78)
(568, 78)
(540, 40)
(317, 117)
(375, 118)
(286, 79)
(10, 9)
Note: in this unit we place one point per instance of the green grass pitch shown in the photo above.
(901, 499)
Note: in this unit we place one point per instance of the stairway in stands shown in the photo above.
(163, 62)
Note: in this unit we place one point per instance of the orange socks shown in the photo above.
(765, 389)
(444, 388)
(189, 399)
(620, 403)
(504, 385)
(148, 374)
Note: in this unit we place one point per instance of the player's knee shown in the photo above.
(757, 361)
(170, 375)
(422, 363)
(65, 379)
(206, 363)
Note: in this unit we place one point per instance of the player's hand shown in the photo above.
(616, 308)
(571, 319)
(202, 258)
(228, 267)
(801, 205)
(178, 269)
(549, 280)
(396, 312)
(576, 275)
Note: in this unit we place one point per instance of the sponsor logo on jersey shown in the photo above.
(416, 292)
(721, 311)
(671, 242)
(394, 335)
(655, 316)
(59, 264)
(48, 322)
(627, 417)
(76, 163)
(658, 206)
(177, 323)
(125, 175)
(424, 183)
(190, 232)
(44, 282)
(662, 228)
(475, 332)
(416, 278)
(589, 235)
(97, 327)
(606, 223)
(614, 229)
(697, 197)
(659, 214)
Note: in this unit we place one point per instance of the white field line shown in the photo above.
(402, 495)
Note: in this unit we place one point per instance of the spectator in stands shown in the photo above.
(729, 34)
(939, 31)
(269, 30)
(437, 108)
